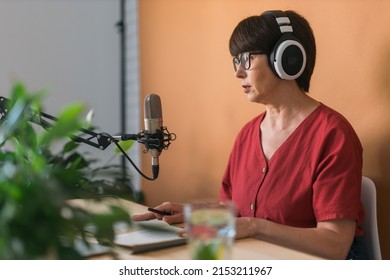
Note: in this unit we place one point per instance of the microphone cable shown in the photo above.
(129, 159)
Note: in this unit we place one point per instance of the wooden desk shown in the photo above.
(243, 249)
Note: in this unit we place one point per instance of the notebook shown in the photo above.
(150, 235)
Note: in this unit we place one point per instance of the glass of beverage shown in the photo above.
(211, 229)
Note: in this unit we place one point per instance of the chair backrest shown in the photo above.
(370, 225)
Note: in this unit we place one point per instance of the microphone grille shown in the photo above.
(153, 108)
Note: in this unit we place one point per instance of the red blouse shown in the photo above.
(315, 175)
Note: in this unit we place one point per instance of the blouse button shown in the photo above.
(264, 169)
(252, 206)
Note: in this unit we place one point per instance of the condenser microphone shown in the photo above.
(154, 129)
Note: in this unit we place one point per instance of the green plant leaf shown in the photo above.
(125, 145)
(70, 146)
(66, 124)
(89, 118)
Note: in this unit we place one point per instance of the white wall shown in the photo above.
(71, 48)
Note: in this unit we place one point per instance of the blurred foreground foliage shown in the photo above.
(36, 220)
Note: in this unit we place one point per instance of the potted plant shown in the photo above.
(36, 220)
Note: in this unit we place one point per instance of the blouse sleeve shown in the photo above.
(337, 182)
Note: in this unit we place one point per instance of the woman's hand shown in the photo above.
(244, 227)
(175, 210)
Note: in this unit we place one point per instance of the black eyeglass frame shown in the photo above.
(237, 60)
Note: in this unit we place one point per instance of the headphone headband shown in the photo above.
(282, 20)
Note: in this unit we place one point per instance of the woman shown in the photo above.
(295, 170)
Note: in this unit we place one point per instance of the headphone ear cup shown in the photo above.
(288, 58)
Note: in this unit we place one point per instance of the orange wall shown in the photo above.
(185, 59)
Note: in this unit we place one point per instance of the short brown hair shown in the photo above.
(260, 33)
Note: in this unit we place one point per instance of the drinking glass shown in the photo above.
(211, 230)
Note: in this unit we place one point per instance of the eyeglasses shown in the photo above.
(244, 59)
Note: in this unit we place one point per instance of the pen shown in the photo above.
(164, 213)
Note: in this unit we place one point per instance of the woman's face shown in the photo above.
(258, 82)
